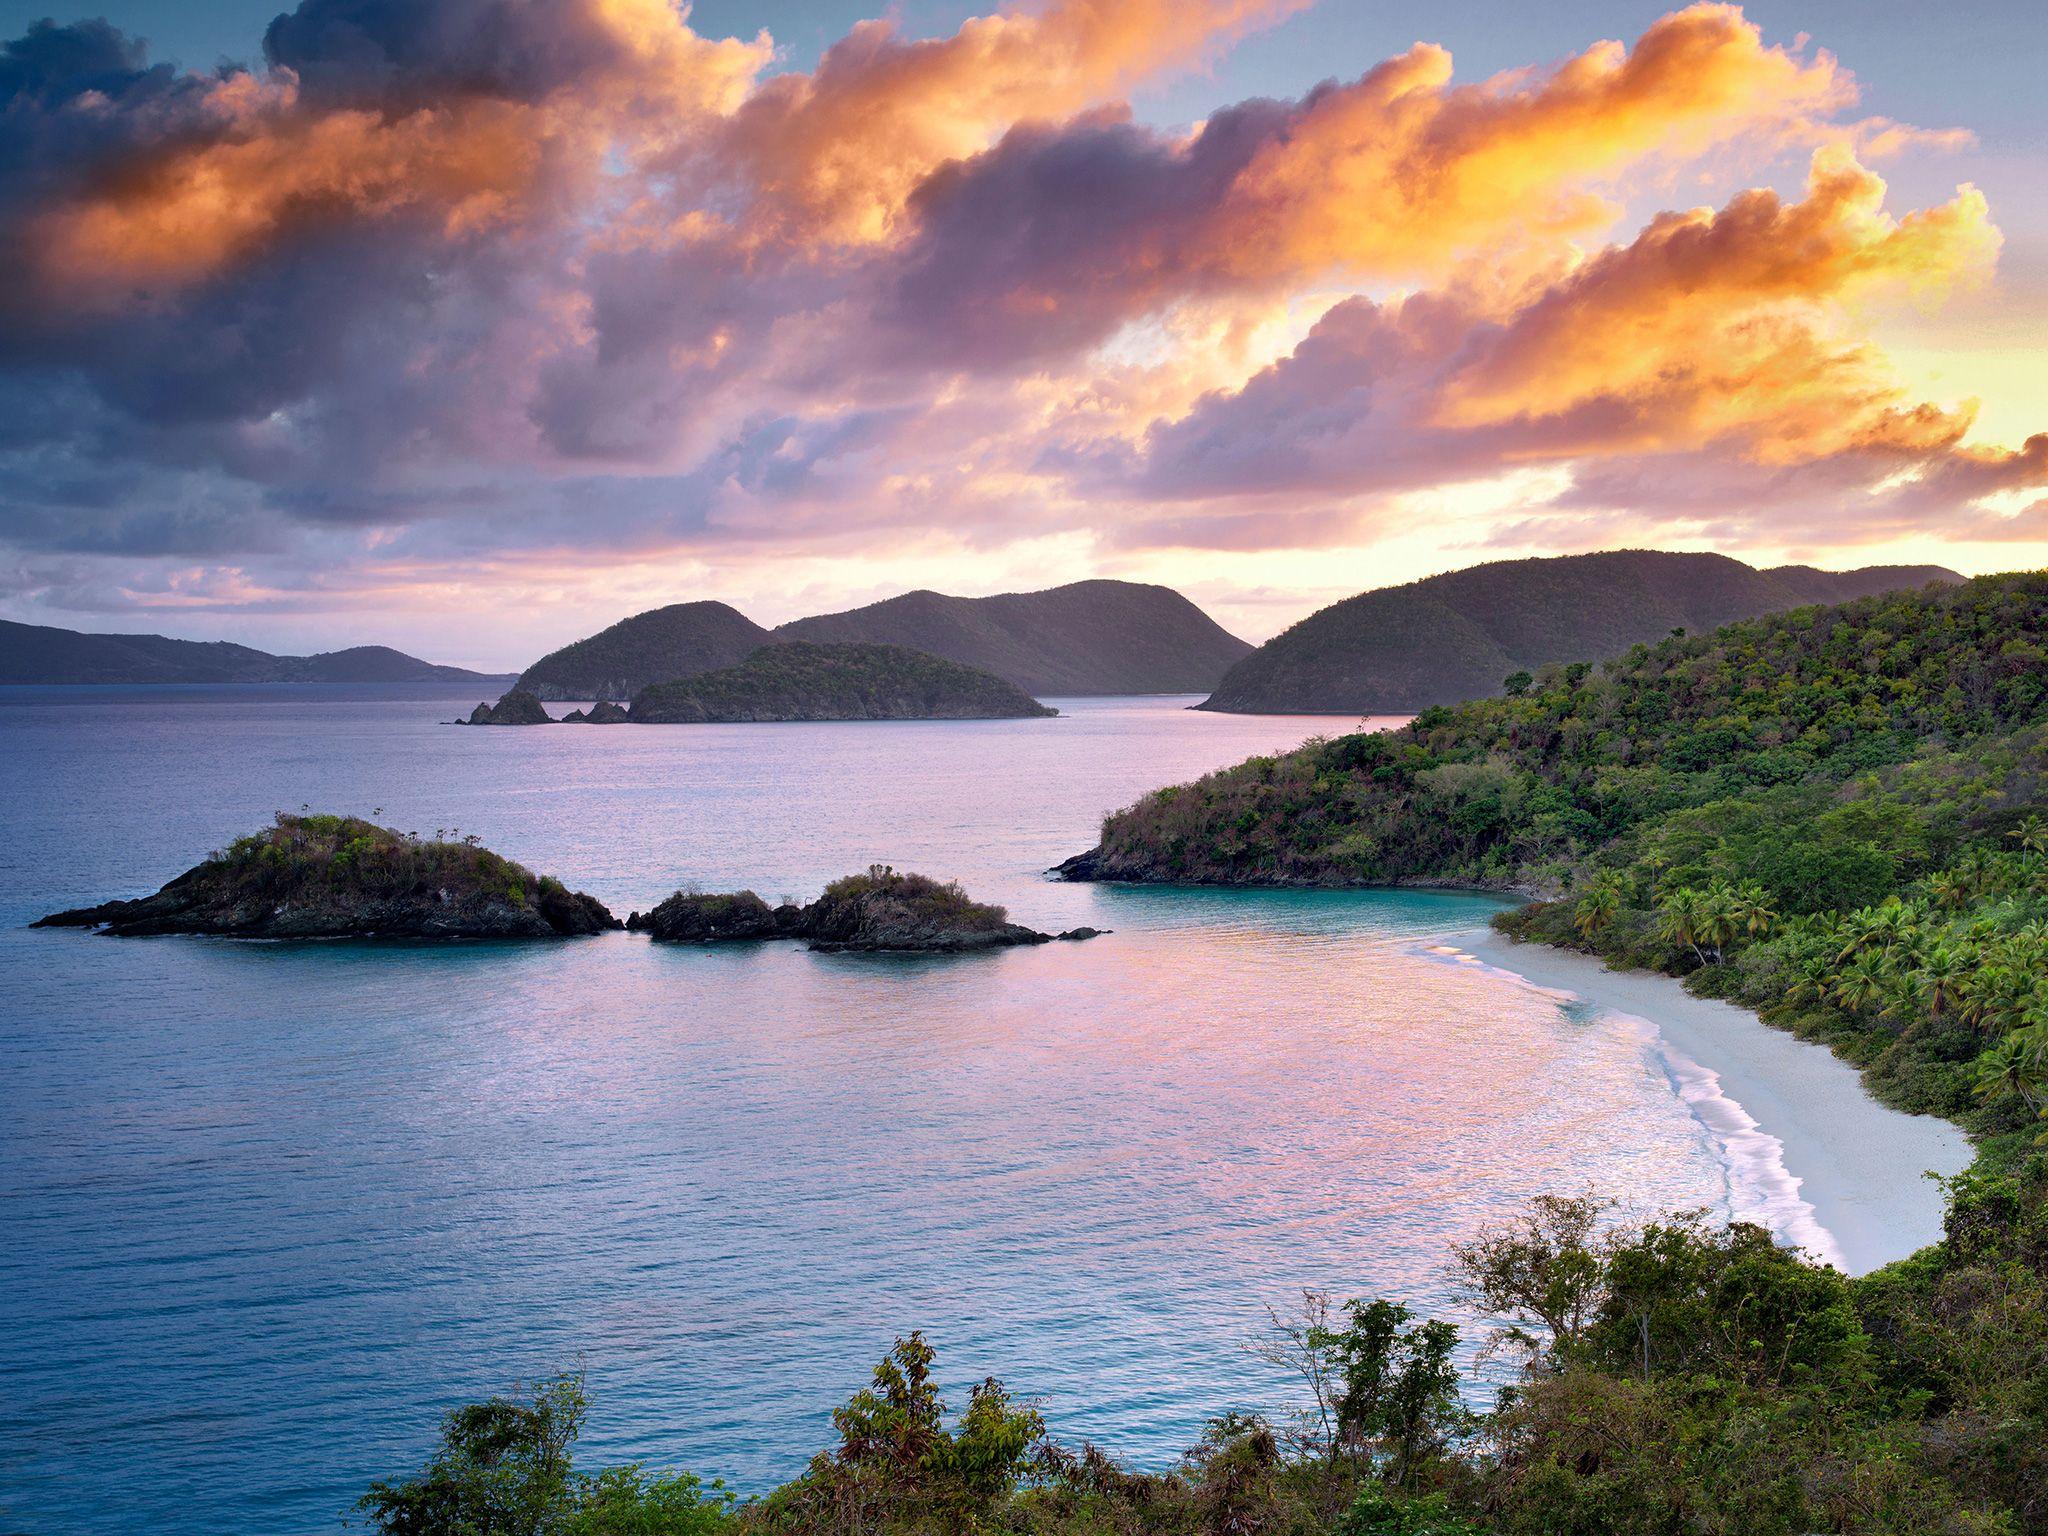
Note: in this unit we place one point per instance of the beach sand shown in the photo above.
(1810, 1154)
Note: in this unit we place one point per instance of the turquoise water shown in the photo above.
(267, 1210)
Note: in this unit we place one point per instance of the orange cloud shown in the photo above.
(196, 210)
(1402, 170)
(1733, 323)
(833, 156)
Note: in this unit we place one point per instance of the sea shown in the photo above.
(268, 1210)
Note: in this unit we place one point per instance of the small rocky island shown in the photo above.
(310, 876)
(603, 712)
(880, 911)
(515, 708)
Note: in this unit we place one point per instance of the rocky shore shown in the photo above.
(879, 911)
(321, 877)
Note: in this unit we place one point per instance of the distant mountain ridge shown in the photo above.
(1088, 637)
(1457, 636)
(42, 654)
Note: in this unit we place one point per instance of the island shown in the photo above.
(799, 680)
(879, 911)
(322, 877)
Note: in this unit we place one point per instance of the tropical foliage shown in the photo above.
(1673, 1377)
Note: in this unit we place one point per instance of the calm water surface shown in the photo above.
(267, 1210)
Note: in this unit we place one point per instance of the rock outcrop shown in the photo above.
(603, 712)
(880, 911)
(515, 708)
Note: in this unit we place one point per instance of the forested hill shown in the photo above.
(1089, 637)
(36, 653)
(1458, 635)
(658, 646)
(798, 680)
(1798, 708)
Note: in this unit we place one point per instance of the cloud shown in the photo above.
(1711, 362)
(470, 283)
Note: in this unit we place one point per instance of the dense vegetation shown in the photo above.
(658, 646)
(1674, 1378)
(797, 680)
(1087, 637)
(37, 653)
(316, 876)
(1456, 636)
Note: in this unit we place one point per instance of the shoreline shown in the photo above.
(1809, 1154)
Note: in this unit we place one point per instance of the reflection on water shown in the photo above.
(270, 1208)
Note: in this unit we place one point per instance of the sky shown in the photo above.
(470, 326)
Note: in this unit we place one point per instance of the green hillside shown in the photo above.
(1456, 636)
(658, 646)
(800, 681)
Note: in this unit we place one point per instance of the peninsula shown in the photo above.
(323, 877)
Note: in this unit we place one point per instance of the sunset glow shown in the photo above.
(565, 310)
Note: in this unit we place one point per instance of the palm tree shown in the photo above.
(1941, 972)
(1753, 910)
(1859, 985)
(2031, 834)
(1716, 918)
(1949, 891)
(2015, 1068)
(1678, 921)
(1596, 909)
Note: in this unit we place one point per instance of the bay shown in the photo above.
(268, 1210)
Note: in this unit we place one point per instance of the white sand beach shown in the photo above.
(1810, 1154)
